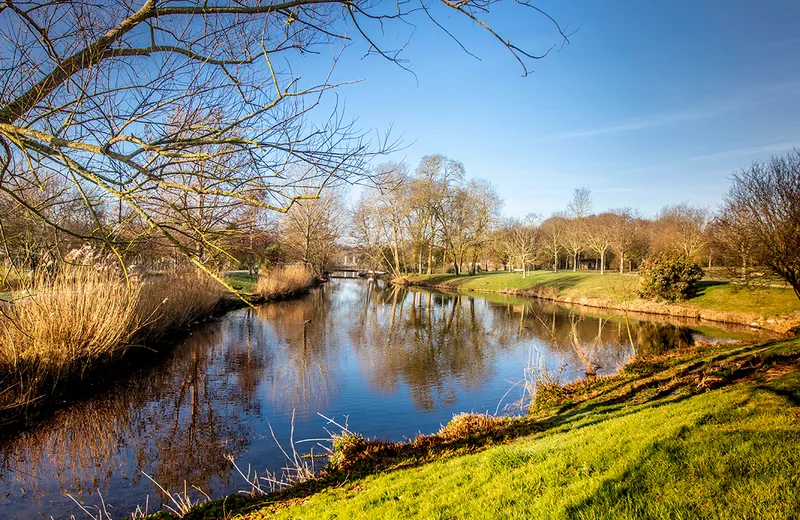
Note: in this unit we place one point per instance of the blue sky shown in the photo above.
(652, 103)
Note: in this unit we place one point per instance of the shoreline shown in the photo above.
(783, 325)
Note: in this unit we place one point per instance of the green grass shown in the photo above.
(714, 434)
(242, 281)
(767, 302)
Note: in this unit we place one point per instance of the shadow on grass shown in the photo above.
(792, 396)
(654, 385)
(703, 285)
(728, 455)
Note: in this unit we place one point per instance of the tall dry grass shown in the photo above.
(64, 325)
(173, 300)
(282, 281)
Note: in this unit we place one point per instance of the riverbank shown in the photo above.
(710, 429)
(63, 337)
(771, 308)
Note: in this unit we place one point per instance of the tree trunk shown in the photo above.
(622, 263)
(430, 246)
(430, 257)
(603, 262)
(574, 262)
(555, 261)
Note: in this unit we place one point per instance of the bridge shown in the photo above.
(351, 271)
(352, 265)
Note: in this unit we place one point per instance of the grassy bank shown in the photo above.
(774, 308)
(710, 432)
(242, 281)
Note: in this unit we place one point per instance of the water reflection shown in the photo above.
(398, 361)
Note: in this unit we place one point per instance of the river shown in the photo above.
(390, 361)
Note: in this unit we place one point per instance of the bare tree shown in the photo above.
(392, 208)
(578, 209)
(763, 204)
(312, 229)
(368, 233)
(444, 179)
(553, 232)
(105, 96)
(599, 236)
(622, 230)
(429, 196)
(486, 205)
(581, 204)
(682, 228)
(521, 240)
(732, 240)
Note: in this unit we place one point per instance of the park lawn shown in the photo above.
(711, 433)
(611, 285)
(242, 281)
(765, 301)
(615, 288)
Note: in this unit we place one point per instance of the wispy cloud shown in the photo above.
(753, 97)
(793, 40)
(769, 148)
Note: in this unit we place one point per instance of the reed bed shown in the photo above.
(173, 300)
(283, 281)
(63, 325)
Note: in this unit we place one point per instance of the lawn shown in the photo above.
(616, 288)
(665, 439)
(242, 281)
(765, 301)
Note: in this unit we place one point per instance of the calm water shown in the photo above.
(392, 362)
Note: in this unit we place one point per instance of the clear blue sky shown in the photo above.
(651, 103)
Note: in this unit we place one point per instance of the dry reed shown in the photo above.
(174, 300)
(283, 281)
(66, 323)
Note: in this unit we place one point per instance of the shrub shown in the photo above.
(346, 447)
(668, 277)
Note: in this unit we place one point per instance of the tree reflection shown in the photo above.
(177, 421)
(304, 346)
(432, 343)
